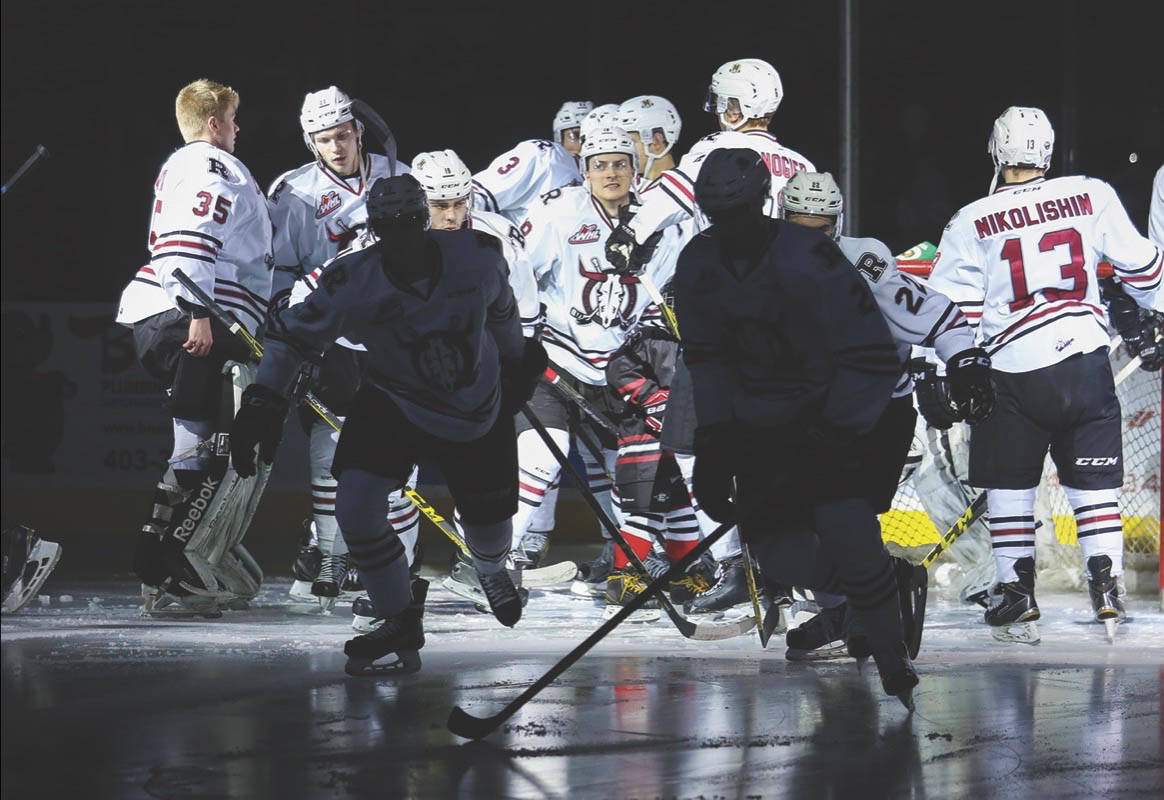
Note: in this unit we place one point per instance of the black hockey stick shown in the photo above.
(40, 152)
(704, 630)
(467, 726)
(379, 128)
(571, 394)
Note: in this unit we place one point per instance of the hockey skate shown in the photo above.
(364, 619)
(333, 570)
(729, 596)
(622, 586)
(1106, 595)
(591, 579)
(401, 635)
(505, 600)
(306, 566)
(463, 581)
(28, 561)
(822, 637)
(1014, 611)
(694, 583)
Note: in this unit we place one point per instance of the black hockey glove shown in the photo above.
(1149, 344)
(1139, 328)
(714, 471)
(933, 399)
(519, 378)
(259, 421)
(970, 387)
(623, 252)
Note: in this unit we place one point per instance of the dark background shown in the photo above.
(95, 82)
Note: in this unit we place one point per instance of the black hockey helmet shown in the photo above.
(732, 180)
(397, 201)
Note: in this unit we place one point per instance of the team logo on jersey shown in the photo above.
(444, 359)
(607, 298)
(587, 234)
(328, 202)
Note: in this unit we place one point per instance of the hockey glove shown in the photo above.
(259, 421)
(970, 387)
(620, 246)
(714, 471)
(519, 378)
(933, 399)
(654, 407)
(1149, 345)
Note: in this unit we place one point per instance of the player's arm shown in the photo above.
(957, 274)
(705, 353)
(501, 316)
(508, 181)
(631, 373)
(1138, 263)
(292, 225)
(916, 313)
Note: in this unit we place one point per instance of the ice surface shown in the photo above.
(103, 703)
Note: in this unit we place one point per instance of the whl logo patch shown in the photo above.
(328, 202)
(587, 234)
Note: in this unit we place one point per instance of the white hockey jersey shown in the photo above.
(671, 198)
(513, 182)
(317, 214)
(1022, 265)
(589, 310)
(917, 314)
(210, 218)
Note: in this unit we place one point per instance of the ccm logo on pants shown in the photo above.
(1097, 462)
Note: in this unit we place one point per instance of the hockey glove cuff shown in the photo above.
(620, 249)
(654, 407)
(970, 386)
(259, 421)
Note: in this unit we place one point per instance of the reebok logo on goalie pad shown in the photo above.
(197, 508)
(1097, 462)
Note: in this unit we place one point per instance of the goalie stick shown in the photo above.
(40, 152)
(235, 327)
(706, 631)
(468, 726)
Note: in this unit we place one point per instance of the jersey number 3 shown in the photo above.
(221, 206)
(1012, 251)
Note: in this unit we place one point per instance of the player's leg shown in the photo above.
(28, 561)
(1089, 458)
(483, 479)
(681, 531)
(374, 457)
(1007, 451)
(404, 519)
(537, 468)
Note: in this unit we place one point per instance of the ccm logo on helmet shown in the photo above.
(197, 507)
(1097, 462)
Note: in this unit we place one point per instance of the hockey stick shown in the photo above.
(575, 397)
(975, 510)
(691, 630)
(367, 115)
(40, 152)
(657, 297)
(468, 726)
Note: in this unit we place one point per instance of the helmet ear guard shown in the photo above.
(814, 193)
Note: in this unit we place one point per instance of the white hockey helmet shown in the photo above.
(603, 116)
(751, 82)
(813, 193)
(1022, 137)
(608, 140)
(325, 109)
(443, 175)
(644, 115)
(570, 115)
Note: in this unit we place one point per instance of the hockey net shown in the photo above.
(907, 527)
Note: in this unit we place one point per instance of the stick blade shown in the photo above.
(467, 726)
(714, 631)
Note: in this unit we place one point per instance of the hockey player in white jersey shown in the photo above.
(1021, 262)
(318, 209)
(210, 219)
(653, 122)
(744, 95)
(589, 310)
(513, 182)
(917, 315)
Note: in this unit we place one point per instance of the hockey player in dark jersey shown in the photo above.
(447, 369)
(791, 364)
